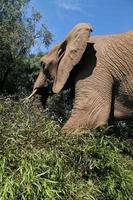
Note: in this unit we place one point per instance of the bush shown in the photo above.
(23, 76)
(39, 161)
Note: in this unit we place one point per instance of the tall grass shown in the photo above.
(40, 162)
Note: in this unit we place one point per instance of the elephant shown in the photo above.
(99, 68)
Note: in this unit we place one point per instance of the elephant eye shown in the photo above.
(42, 64)
(50, 63)
(47, 73)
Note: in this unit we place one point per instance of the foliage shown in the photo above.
(39, 161)
(18, 33)
(22, 78)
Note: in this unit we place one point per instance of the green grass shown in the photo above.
(40, 162)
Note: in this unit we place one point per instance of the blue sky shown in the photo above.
(106, 16)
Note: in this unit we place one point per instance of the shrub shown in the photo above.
(39, 161)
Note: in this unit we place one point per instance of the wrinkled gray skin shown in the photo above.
(101, 69)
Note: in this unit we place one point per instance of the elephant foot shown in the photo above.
(82, 120)
(75, 125)
(70, 128)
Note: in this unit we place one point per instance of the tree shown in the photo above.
(18, 34)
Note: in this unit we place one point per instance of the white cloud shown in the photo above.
(74, 5)
(69, 4)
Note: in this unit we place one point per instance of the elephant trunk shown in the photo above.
(40, 82)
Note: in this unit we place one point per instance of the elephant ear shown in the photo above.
(76, 43)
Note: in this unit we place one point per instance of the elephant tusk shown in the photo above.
(34, 91)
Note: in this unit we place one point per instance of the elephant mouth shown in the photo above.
(46, 89)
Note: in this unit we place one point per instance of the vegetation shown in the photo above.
(39, 161)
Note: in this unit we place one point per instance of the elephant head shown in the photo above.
(59, 62)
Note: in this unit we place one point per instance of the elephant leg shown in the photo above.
(96, 114)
